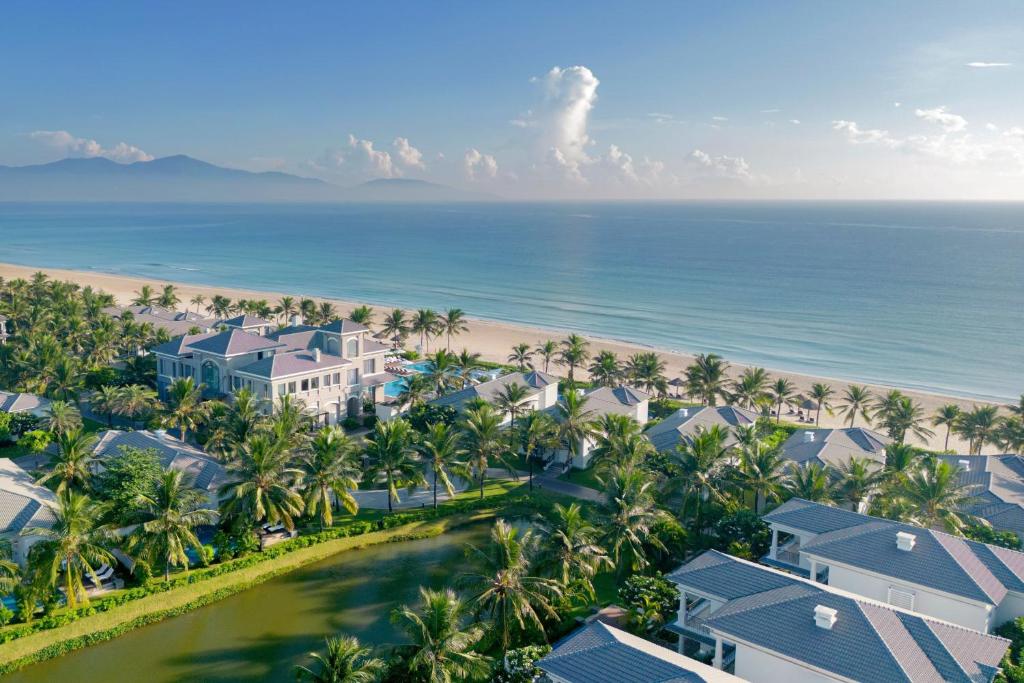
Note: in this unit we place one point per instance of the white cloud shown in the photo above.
(569, 95)
(987, 65)
(72, 146)
(858, 136)
(770, 111)
(897, 104)
(719, 118)
(795, 122)
(951, 123)
(478, 165)
(407, 154)
(1015, 132)
(375, 161)
(723, 166)
(991, 126)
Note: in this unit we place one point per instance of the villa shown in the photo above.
(603, 401)
(333, 369)
(23, 505)
(835, 447)
(975, 585)
(997, 484)
(174, 322)
(23, 403)
(770, 626)
(599, 653)
(680, 427)
(206, 474)
(541, 388)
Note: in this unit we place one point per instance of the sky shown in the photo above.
(535, 100)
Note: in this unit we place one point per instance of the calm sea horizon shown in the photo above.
(926, 296)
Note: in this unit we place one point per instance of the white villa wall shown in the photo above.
(20, 545)
(1011, 607)
(763, 667)
(931, 603)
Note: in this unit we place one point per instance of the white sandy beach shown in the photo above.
(493, 340)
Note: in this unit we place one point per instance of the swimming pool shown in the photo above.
(394, 387)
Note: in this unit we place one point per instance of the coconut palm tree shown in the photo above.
(547, 350)
(811, 482)
(570, 552)
(751, 388)
(197, 300)
(395, 327)
(605, 370)
(574, 352)
(363, 315)
(346, 661)
(631, 515)
(481, 430)
(168, 297)
(71, 465)
(452, 323)
(220, 306)
(67, 379)
(510, 402)
(329, 470)
(504, 588)
(415, 390)
(575, 424)
(857, 480)
(105, 402)
(900, 459)
(647, 371)
(73, 547)
(977, 426)
(441, 643)
(619, 443)
(706, 378)
(441, 449)
(935, 496)
(391, 451)
(947, 416)
(762, 470)
(856, 400)
(442, 371)
(62, 417)
(821, 394)
(261, 480)
(185, 407)
(781, 392)
(427, 324)
(467, 363)
(1009, 434)
(167, 520)
(285, 309)
(538, 433)
(900, 414)
(10, 572)
(703, 463)
(135, 400)
(520, 357)
(144, 297)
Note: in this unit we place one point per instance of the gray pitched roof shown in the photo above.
(997, 484)
(233, 342)
(488, 391)
(835, 447)
(19, 403)
(937, 560)
(599, 653)
(286, 363)
(620, 400)
(680, 427)
(343, 326)
(715, 574)
(246, 320)
(180, 345)
(206, 473)
(868, 642)
(22, 503)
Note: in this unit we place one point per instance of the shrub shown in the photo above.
(422, 415)
(370, 421)
(986, 534)
(519, 665)
(1012, 667)
(5, 615)
(35, 440)
(142, 572)
(640, 591)
(745, 528)
(350, 423)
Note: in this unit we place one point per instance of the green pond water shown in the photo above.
(259, 635)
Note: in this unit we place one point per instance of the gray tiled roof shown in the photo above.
(489, 390)
(343, 326)
(835, 447)
(599, 653)
(285, 363)
(680, 427)
(937, 560)
(715, 574)
(233, 342)
(997, 484)
(205, 472)
(618, 400)
(22, 503)
(246, 320)
(18, 403)
(868, 642)
(179, 345)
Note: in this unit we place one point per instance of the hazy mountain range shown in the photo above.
(181, 178)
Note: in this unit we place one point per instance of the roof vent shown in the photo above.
(808, 436)
(965, 465)
(905, 541)
(824, 617)
(160, 433)
(316, 355)
(685, 412)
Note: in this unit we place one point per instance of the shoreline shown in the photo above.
(494, 339)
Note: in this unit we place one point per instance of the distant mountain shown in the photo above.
(181, 178)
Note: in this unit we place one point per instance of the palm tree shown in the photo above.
(976, 426)
(820, 394)
(900, 459)
(73, 547)
(220, 306)
(751, 388)
(706, 378)
(520, 357)
(261, 480)
(510, 401)
(135, 400)
(62, 417)
(167, 521)
(481, 429)
(646, 371)
(427, 324)
(1009, 434)
(762, 470)
(329, 468)
(10, 572)
(935, 496)
(811, 482)
(857, 400)
(363, 315)
(395, 327)
(453, 323)
(346, 661)
(504, 588)
(570, 551)
(547, 350)
(1017, 408)
(144, 297)
(575, 424)
(440, 448)
(197, 300)
(539, 433)
(702, 461)
(71, 465)
(466, 363)
(605, 370)
(442, 371)
(415, 390)
(858, 479)
(900, 414)
(67, 379)
(391, 450)
(781, 391)
(574, 352)
(105, 402)
(441, 648)
(947, 416)
(185, 407)
(168, 297)
(630, 519)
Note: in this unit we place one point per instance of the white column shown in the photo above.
(775, 544)
(718, 653)
(682, 620)
(814, 570)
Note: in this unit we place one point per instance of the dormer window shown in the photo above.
(352, 347)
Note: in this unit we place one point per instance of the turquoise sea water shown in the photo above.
(920, 295)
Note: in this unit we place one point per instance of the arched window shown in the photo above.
(333, 346)
(211, 377)
(352, 348)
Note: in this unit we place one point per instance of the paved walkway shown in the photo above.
(549, 480)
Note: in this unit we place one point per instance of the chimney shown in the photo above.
(160, 433)
(965, 465)
(905, 541)
(316, 355)
(685, 412)
(824, 617)
(295, 320)
(808, 436)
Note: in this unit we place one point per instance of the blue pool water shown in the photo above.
(394, 387)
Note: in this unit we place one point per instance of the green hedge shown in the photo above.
(524, 503)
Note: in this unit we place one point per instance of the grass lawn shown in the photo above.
(583, 478)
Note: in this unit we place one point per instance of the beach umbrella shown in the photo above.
(677, 383)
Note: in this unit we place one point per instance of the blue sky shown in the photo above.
(571, 99)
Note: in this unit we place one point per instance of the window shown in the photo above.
(327, 380)
(369, 366)
(352, 347)
(901, 598)
(337, 378)
(162, 367)
(353, 377)
(291, 387)
(305, 385)
(174, 369)
(314, 383)
(259, 355)
(266, 391)
(282, 389)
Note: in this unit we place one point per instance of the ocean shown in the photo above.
(926, 296)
